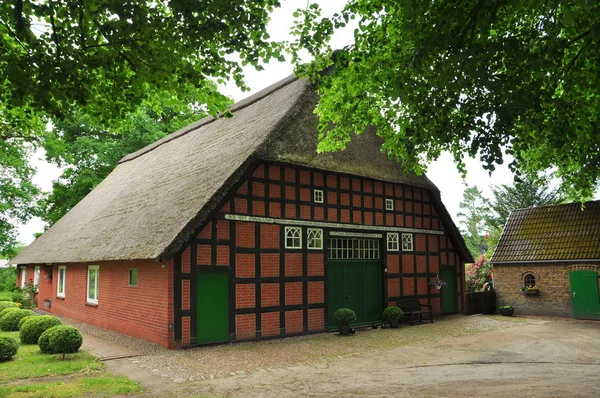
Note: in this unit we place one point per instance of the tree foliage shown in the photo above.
(473, 221)
(476, 78)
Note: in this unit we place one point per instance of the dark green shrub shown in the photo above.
(61, 339)
(7, 304)
(17, 297)
(7, 310)
(23, 320)
(10, 321)
(392, 313)
(33, 327)
(344, 316)
(8, 348)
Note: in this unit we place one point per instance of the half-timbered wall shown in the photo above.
(276, 291)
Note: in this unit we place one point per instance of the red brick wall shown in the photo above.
(144, 311)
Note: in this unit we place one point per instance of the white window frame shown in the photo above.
(23, 276)
(293, 233)
(389, 204)
(36, 276)
(318, 196)
(393, 241)
(314, 239)
(407, 243)
(92, 300)
(137, 277)
(61, 282)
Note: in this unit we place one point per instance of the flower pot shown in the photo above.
(395, 323)
(438, 287)
(344, 330)
(532, 292)
(506, 311)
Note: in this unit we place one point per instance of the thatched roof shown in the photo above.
(551, 233)
(149, 206)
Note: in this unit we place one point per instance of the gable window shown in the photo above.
(529, 280)
(133, 277)
(293, 238)
(23, 276)
(36, 276)
(318, 196)
(92, 284)
(389, 204)
(62, 276)
(392, 242)
(407, 242)
(314, 239)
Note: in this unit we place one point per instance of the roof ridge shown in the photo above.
(555, 205)
(241, 104)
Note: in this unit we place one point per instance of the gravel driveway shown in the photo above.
(455, 356)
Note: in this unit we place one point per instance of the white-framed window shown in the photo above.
(62, 277)
(293, 238)
(92, 284)
(318, 196)
(23, 276)
(392, 242)
(314, 239)
(36, 276)
(407, 242)
(133, 277)
(389, 204)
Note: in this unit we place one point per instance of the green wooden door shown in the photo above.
(355, 284)
(448, 293)
(212, 325)
(584, 294)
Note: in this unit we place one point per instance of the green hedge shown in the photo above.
(23, 320)
(33, 327)
(9, 322)
(61, 339)
(7, 310)
(7, 304)
(8, 348)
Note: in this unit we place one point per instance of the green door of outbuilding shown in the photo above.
(448, 293)
(584, 294)
(354, 279)
(212, 295)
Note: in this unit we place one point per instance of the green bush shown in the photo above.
(60, 339)
(7, 310)
(8, 279)
(391, 313)
(8, 348)
(33, 327)
(344, 316)
(7, 304)
(10, 321)
(17, 297)
(23, 320)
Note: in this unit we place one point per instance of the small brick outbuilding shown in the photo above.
(548, 260)
(235, 229)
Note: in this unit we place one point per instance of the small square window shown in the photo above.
(318, 196)
(293, 238)
(392, 242)
(314, 239)
(407, 242)
(389, 204)
(133, 277)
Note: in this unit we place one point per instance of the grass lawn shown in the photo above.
(33, 374)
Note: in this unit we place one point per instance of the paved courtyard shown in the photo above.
(457, 356)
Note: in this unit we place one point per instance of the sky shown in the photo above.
(442, 172)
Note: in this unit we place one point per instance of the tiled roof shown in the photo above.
(564, 232)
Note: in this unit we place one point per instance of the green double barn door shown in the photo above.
(584, 294)
(355, 284)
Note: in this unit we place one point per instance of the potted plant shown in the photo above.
(506, 310)
(530, 290)
(392, 315)
(438, 283)
(344, 317)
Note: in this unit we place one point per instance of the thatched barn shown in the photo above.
(548, 261)
(235, 229)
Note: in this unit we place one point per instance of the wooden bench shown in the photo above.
(414, 310)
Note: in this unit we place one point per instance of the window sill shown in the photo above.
(60, 298)
(91, 304)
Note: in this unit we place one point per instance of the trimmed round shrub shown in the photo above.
(8, 348)
(391, 313)
(344, 316)
(7, 310)
(33, 327)
(17, 297)
(60, 339)
(9, 322)
(23, 320)
(7, 304)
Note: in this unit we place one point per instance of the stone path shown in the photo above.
(105, 350)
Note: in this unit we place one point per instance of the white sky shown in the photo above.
(443, 172)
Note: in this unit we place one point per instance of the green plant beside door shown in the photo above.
(392, 315)
(344, 317)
